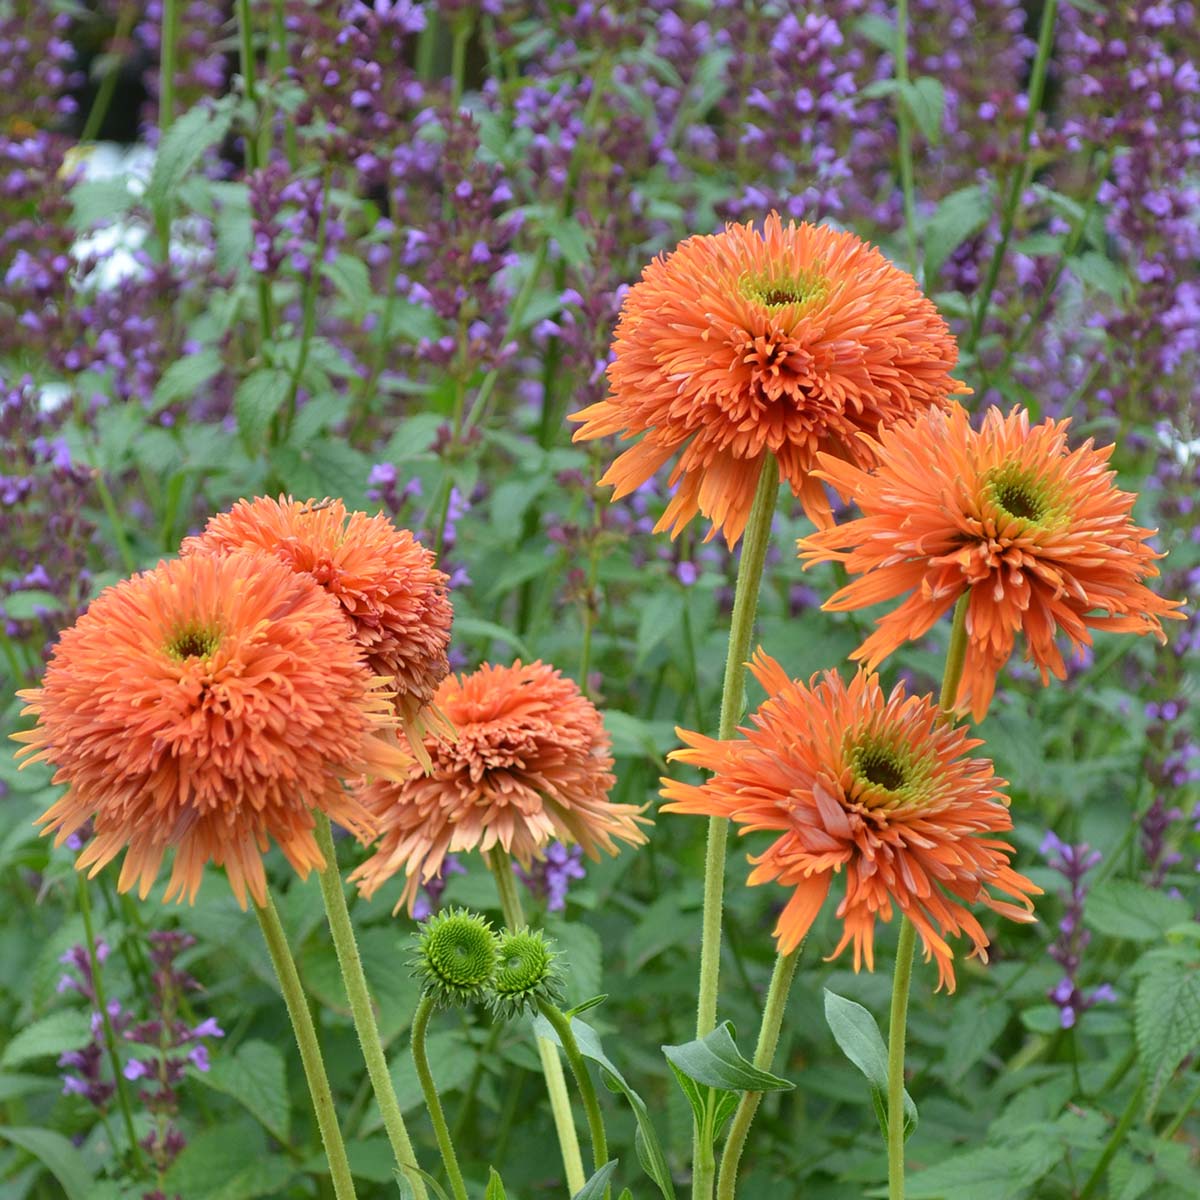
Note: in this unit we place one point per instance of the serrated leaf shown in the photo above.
(1121, 908)
(228, 1163)
(184, 378)
(1099, 272)
(715, 1061)
(57, 1155)
(99, 200)
(1167, 1022)
(649, 1149)
(183, 145)
(64, 1030)
(351, 277)
(258, 398)
(925, 100)
(858, 1036)
(959, 216)
(992, 1173)
(878, 30)
(256, 1077)
(597, 1184)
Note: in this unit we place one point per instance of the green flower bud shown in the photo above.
(456, 957)
(525, 974)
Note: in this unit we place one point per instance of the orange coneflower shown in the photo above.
(384, 579)
(785, 342)
(531, 763)
(1036, 531)
(207, 706)
(880, 786)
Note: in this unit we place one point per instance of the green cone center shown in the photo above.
(193, 642)
(780, 293)
(880, 767)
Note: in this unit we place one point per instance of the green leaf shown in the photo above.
(64, 1030)
(1099, 272)
(23, 606)
(183, 145)
(184, 377)
(960, 215)
(649, 1150)
(323, 468)
(992, 1173)
(660, 617)
(584, 1005)
(258, 398)
(925, 100)
(351, 277)
(228, 1163)
(256, 1077)
(855, 1031)
(596, 1185)
(476, 627)
(1166, 1021)
(495, 1187)
(711, 1107)
(581, 952)
(715, 1061)
(1121, 908)
(878, 30)
(57, 1155)
(99, 201)
(571, 237)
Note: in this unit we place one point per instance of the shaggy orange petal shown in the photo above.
(787, 342)
(531, 763)
(1036, 531)
(878, 788)
(384, 579)
(208, 706)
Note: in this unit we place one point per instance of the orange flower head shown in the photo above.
(207, 706)
(1034, 530)
(880, 786)
(531, 762)
(742, 344)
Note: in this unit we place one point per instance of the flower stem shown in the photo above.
(764, 1054)
(458, 57)
(904, 133)
(110, 1037)
(168, 45)
(355, 979)
(587, 1090)
(956, 657)
(741, 630)
(429, 1089)
(1124, 1124)
(310, 1050)
(896, 1032)
(556, 1084)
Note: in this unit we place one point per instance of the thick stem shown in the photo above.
(556, 1083)
(956, 654)
(355, 979)
(310, 1050)
(432, 1102)
(587, 1090)
(741, 630)
(896, 1033)
(764, 1055)
(110, 1037)
(904, 133)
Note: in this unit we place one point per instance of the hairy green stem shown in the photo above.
(764, 1054)
(1021, 172)
(741, 630)
(904, 133)
(310, 1049)
(556, 1084)
(355, 979)
(956, 654)
(110, 1037)
(587, 1090)
(901, 982)
(429, 1089)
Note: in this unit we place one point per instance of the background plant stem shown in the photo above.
(587, 1090)
(310, 1049)
(350, 962)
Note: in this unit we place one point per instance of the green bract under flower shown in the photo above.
(525, 974)
(456, 957)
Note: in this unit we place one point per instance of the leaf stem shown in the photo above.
(764, 1053)
(556, 1084)
(110, 1037)
(587, 1090)
(741, 630)
(310, 1049)
(350, 962)
(441, 1130)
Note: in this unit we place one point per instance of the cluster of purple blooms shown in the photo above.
(1073, 862)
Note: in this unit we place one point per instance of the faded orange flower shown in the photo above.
(742, 344)
(384, 579)
(881, 787)
(531, 763)
(1035, 530)
(208, 706)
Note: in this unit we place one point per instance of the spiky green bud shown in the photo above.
(525, 974)
(456, 957)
